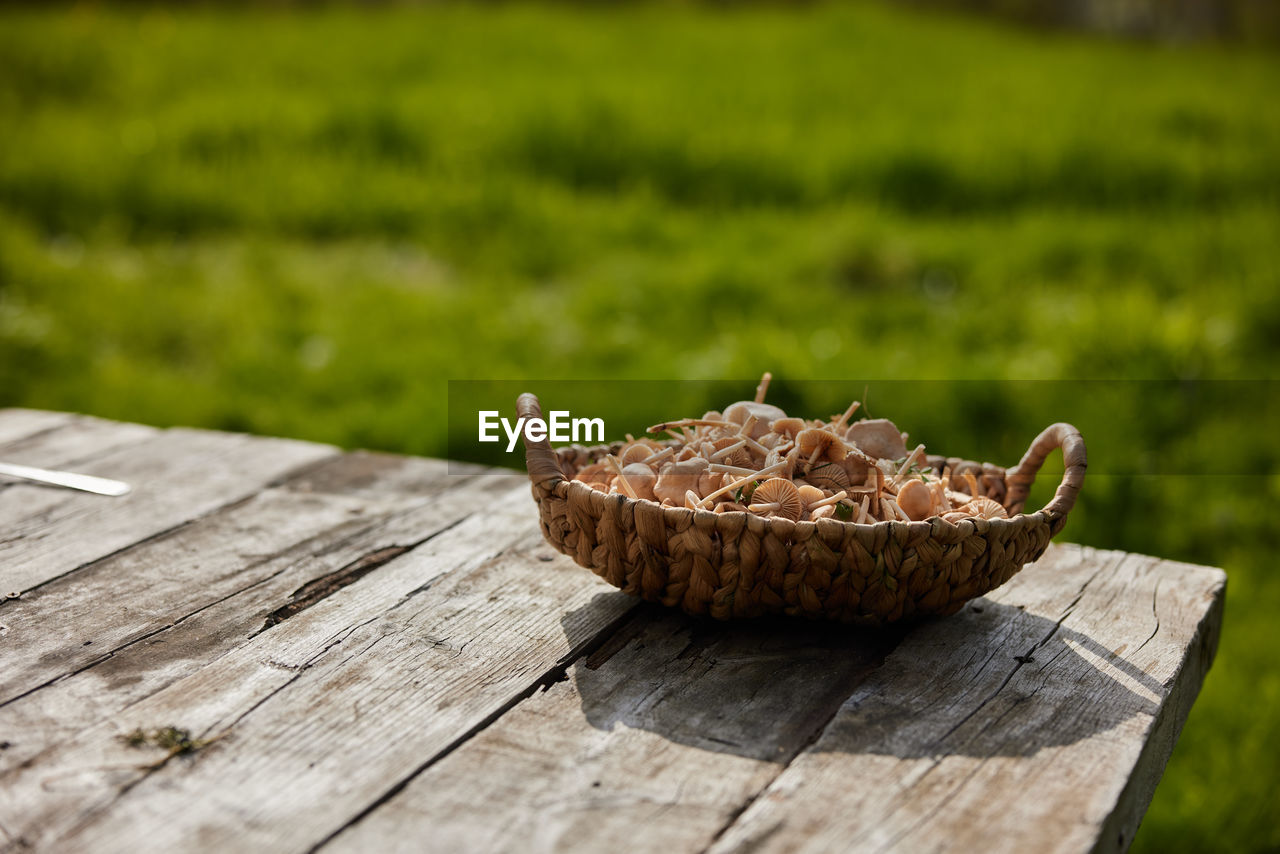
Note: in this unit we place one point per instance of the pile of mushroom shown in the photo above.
(755, 458)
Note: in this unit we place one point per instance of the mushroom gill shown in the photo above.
(777, 496)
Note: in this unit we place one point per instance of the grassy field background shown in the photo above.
(305, 222)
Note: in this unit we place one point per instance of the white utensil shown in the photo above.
(85, 482)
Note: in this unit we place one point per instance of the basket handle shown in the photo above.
(1021, 476)
(541, 461)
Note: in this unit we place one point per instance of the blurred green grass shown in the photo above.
(305, 222)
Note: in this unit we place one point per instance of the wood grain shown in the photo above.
(318, 717)
(187, 597)
(653, 743)
(65, 442)
(19, 423)
(1050, 686)
(177, 475)
(1029, 716)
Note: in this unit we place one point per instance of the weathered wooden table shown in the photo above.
(271, 645)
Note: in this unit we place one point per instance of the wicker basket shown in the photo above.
(736, 565)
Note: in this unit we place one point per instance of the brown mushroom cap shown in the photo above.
(677, 478)
(641, 478)
(782, 492)
(979, 508)
(986, 508)
(787, 426)
(771, 440)
(830, 476)
(709, 482)
(810, 493)
(773, 458)
(594, 472)
(914, 500)
(855, 465)
(878, 437)
(827, 445)
(765, 414)
(634, 453)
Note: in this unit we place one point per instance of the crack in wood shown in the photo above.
(549, 678)
(262, 559)
(319, 589)
(325, 586)
(1022, 660)
(170, 531)
(1155, 593)
(937, 808)
(890, 639)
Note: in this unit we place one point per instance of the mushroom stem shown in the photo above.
(908, 463)
(938, 501)
(622, 478)
(879, 487)
(763, 388)
(691, 500)
(832, 499)
(728, 469)
(748, 425)
(862, 509)
(848, 413)
(764, 508)
(894, 509)
(759, 475)
(813, 458)
(658, 456)
(727, 450)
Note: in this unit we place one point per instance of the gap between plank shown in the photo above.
(896, 635)
(363, 564)
(299, 471)
(559, 672)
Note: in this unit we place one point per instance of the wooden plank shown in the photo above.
(194, 594)
(320, 716)
(61, 441)
(1028, 722)
(178, 475)
(20, 423)
(653, 743)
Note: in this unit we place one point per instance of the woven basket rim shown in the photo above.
(547, 472)
(597, 451)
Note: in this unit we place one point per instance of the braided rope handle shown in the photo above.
(543, 465)
(1020, 477)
